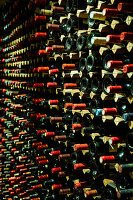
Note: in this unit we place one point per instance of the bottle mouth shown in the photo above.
(90, 63)
(130, 141)
(107, 82)
(84, 84)
(91, 22)
(80, 43)
(69, 43)
(82, 63)
(95, 85)
(69, 5)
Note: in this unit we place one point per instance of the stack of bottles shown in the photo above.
(66, 94)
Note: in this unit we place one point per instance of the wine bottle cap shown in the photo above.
(55, 119)
(58, 48)
(64, 191)
(38, 132)
(40, 18)
(109, 111)
(40, 35)
(43, 177)
(60, 138)
(40, 158)
(38, 85)
(54, 27)
(113, 39)
(49, 134)
(51, 84)
(125, 7)
(76, 126)
(52, 153)
(43, 146)
(68, 105)
(79, 106)
(64, 156)
(79, 166)
(78, 147)
(127, 36)
(42, 162)
(91, 193)
(36, 144)
(114, 140)
(41, 52)
(112, 64)
(128, 68)
(68, 66)
(40, 69)
(114, 89)
(70, 85)
(49, 49)
(110, 12)
(105, 159)
(56, 169)
(56, 186)
(53, 71)
(36, 187)
(53, 102)
(57, 9)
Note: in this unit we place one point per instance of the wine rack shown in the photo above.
(66, 95)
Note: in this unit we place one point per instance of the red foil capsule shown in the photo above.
(68, 105)
(68, 66)
(42, 162)
(36, 144)
(56, 186)
(39, 132)
(106, 159)
(43, 69)
(81, 106)
(80, 185)
(40, 35)
(36, 187)
(40, 158)
(114, 64)
(38, 85)
(43, 52)
(126, 36)
(49, 134)
(49, 49)
(55, 170)
(128, 68)
(113, 39)
(53, 71)
(53, 102)
(114, 89)
(78, 147)
(110, 12)
(70, 85)
(125, 7)
(54, 153)
(109, 111)
(41, 147)
(43, 177)
(114, 140)
(51, 85)
(76, 126)
(40, 18)
(79, 166)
